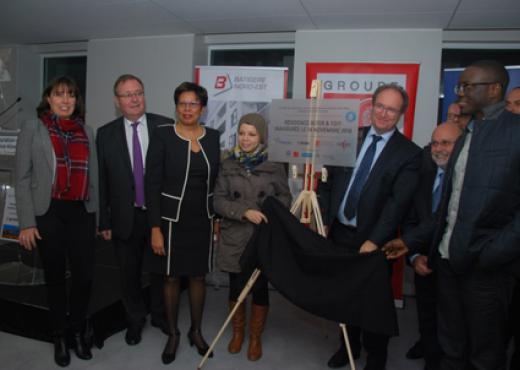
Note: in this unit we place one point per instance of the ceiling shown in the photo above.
(51, 21)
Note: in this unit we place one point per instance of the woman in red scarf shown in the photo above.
(56, 201)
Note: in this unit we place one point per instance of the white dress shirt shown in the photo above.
(142, 132)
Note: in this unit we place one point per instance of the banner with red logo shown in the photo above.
(360, 80)
(235, 91)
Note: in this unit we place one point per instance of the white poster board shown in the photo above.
(299, 128)
(10, 227)
(234, 91)
(8, 145)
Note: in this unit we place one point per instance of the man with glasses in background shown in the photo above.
(122, 146)
(426, 200)
(364, 206)
(454, 116)
(475, 236)
(513, 100)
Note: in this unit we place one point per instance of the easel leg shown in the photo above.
(347, 345)
(241, 298)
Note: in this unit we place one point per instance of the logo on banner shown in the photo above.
(358, 83)
(350, 116)
(223, 82)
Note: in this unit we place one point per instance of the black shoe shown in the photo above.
(161, 324)
(61, 351)
(515, 359)
(168, 355)
(340, 358)
(416, 351)
(195, 338)
(81, 349)
(375, 363)
(133, 334)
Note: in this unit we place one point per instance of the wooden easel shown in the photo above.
(306, 205)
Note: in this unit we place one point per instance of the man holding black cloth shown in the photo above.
(364, 206)
(475, 236)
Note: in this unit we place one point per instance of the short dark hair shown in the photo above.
(199, 91)
(126, 77)
(496, 69)
(396, 88)
(71, 85)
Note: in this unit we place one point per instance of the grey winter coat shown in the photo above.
(236, 191)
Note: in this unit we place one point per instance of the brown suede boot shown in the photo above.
(256, 327)
(238, 321)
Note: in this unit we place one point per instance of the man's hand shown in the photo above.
(368, 247)
(420, 265)
(106, 234)
(395, 249)
(158, 241)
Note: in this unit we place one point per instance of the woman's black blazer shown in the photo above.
(167, 168)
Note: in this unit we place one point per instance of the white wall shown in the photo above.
(29, 82)
(161, 62)
(407, 46)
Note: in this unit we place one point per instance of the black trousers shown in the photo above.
(129, 254)
(515, 326)
(375, 344)
(259, 291)
(68, 233)
(473, 314)
(426, 295)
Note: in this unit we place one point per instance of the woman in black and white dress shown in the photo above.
(181, 168)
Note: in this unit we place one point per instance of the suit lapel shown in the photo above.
(150, 125)
(381, 162)
(427, 189)
(453, 159)
(46, 140)
(348, 171)
(120, 138)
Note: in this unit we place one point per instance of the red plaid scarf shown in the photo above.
(71, 148)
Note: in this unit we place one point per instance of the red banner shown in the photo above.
(359, 80)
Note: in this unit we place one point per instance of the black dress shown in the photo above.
(179, 198)
(187, 242)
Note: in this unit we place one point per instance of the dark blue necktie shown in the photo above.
(360, 179)
(436, 194)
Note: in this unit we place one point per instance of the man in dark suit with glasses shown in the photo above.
(122, 146)
(364, 206)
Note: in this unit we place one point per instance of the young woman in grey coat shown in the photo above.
(56, 201)
(245, 179)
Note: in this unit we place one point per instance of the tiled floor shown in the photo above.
(293, 340)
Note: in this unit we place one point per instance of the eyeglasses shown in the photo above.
(464, 87)
(391, 112)
(130, 95)
(188, 104)
(442, 143)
